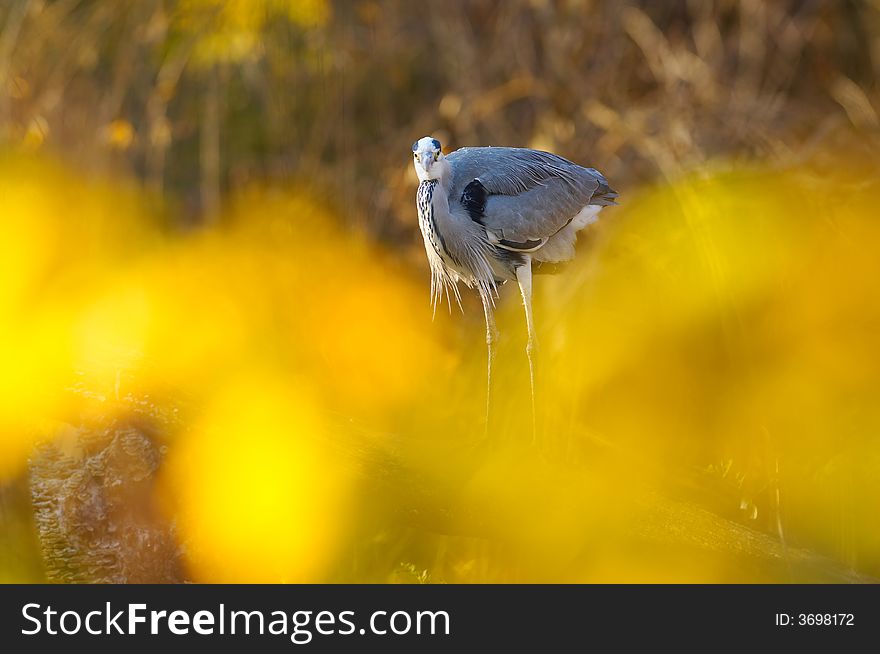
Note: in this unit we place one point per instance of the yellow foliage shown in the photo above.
(60, 235)
(707, 382)
(231, 30)
(256, 494)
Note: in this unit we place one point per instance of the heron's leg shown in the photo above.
(524, 278)
(491, 337)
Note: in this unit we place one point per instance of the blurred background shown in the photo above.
(218, 357)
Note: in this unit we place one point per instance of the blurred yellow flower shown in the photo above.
(255, 492)
(119, 134)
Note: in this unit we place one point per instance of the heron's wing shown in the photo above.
(523, 196)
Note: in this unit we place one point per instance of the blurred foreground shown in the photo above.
(270, 400)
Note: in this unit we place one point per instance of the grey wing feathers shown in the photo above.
(523, 195)
(604, 195)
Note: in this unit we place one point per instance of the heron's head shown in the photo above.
(428, 158)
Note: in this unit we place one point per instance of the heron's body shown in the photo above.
(487, 213)
(496, 209)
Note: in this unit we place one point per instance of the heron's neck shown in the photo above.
(436, 192)
(444, 173)
(441, 172)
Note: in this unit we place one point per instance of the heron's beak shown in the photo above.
(427, 160)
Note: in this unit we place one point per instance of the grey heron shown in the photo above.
(486, 213)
